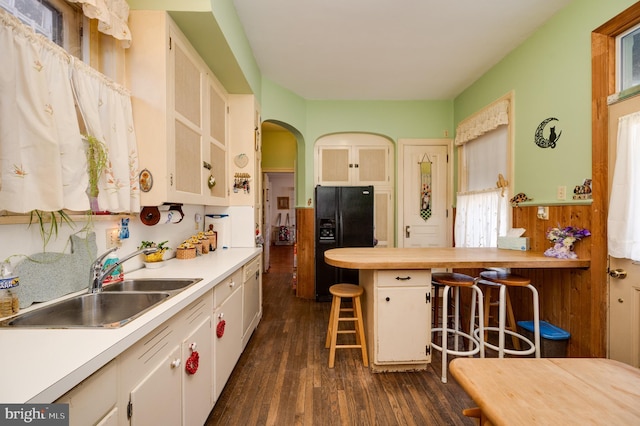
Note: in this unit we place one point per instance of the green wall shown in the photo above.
(314, 119)
(550, 74)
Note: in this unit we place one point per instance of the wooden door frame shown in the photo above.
(603, 84)
(400, 191)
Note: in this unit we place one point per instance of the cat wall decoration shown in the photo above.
(554, 136)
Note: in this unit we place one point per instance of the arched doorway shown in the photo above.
(279, 153)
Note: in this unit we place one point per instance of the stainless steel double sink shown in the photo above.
(117, 305)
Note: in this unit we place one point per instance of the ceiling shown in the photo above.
(386, 49)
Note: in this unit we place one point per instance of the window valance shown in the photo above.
(112, 16)
(488, 119)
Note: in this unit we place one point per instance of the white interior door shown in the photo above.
(624, 275)
(414, 230)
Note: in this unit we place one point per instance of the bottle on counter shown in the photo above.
(117, 274)
(9, 302)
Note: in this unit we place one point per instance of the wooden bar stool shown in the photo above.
(476, 344)
(340, 291)
(505, 280)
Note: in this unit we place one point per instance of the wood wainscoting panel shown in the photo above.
(569, 298)
(305, 229)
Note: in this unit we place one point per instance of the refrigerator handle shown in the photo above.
(407, 231)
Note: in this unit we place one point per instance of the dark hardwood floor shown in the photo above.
(282, 378)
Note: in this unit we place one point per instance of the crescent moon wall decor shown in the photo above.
(540, 139)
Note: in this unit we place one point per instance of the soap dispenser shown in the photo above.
(117, 274)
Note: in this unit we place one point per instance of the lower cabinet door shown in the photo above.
(227, 345)
(156, 400)
(403, 324)
(197, 387)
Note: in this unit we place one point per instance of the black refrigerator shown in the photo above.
(343, 218)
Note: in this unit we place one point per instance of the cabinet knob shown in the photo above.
(175, 363)
(387, 299)
(232, 283)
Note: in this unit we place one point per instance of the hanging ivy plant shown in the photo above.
(49, 223)
(96, 163)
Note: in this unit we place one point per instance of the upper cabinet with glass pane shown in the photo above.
(180, 114)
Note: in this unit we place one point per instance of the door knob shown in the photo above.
(407, 231)
(618, 273)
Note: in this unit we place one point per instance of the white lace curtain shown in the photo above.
(42, 155)
(112, 16)
(488, 119)
(624, 204)
(483, 215)
(480, 218)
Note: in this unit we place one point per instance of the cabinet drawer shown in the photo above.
(251, 268)
(405, 278)
(224, 289)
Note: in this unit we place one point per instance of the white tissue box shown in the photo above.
(513, 243)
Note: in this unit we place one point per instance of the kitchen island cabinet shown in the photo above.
(396, 327)
(400, 314)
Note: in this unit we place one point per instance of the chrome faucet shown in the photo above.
(97, 275)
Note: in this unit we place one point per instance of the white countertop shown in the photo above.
(40, 365)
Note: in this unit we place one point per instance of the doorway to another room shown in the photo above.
(279, 151)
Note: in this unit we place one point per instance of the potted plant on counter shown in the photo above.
(157, 256)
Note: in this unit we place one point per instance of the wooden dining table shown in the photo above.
(551, 391)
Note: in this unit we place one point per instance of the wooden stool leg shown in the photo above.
(335, 314)
(487, 310)
(360, 339)
(327, 343)
(511, 319)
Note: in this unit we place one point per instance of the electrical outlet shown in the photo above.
(543, 212)
(562, 193)
(113, 238)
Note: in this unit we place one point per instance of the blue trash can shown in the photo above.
(553, 339)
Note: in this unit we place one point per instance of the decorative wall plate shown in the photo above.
(241, 160)
(146, 180)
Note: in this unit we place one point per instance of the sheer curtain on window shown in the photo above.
(482, 209)
(624, 204)
(42, 160)
(106, 109)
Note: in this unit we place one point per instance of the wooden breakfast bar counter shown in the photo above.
(397, 298)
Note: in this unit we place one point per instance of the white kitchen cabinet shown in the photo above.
(155, 387)
(227, 345)
(94, 400)
(348, 163)
(180, 115)
(252, 298)
(197, 388)
(397, 311)
(155, 399)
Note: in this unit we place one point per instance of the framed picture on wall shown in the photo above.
(283, 203)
